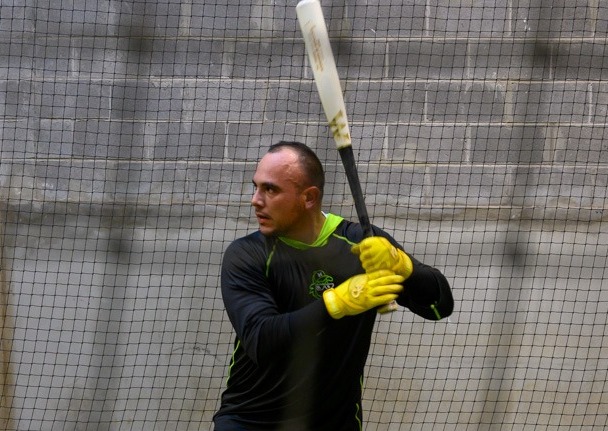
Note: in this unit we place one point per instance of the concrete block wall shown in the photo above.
(128, 134)
(433, 89)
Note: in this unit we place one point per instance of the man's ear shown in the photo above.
(312, 195)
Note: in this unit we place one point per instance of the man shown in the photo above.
(302, 294)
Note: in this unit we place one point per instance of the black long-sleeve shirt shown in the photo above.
(294, 367)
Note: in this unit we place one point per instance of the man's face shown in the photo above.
(279, 199)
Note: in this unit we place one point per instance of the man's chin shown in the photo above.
(267, 231)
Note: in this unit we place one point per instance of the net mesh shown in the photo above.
(129, 135)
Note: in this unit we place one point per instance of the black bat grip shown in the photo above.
(350, 168)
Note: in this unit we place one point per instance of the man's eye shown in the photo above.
(265, 189)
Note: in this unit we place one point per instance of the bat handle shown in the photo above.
(350, 168)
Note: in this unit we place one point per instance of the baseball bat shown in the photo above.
(316, 39)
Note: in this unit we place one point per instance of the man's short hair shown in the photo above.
(308, 159)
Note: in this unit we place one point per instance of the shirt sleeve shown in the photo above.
(262, 330)
(427, 292)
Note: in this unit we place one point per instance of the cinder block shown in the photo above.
(468, 20)
(225, 183)
(18, 138)
(601, 23)
(19, 18)
(551, 101)
(505, 143)
(427, 144)
(146, 100)
(598, 111)
(109, 139)
(16, 56)
(580, 61)
(188, 141)
(370, 142)
(99, 58)
(147, 19)
(559, 192)
(377, 19)
(55, 139)
(359, 59)
(53, 58)
(263, 59)
(581, 144)
(232, 100)
(555, 19)
(507, 59)
(170, 58)
(394, 184)
(77, 17)
(52, 181)
(293, 101)
(427, 59)
(74, 99)
(600, 192)
(225, 18)
(249, 141)
(385, 101)
(18, 99)
(472, 186)
(465, 102)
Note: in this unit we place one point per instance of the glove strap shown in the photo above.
(333, 304)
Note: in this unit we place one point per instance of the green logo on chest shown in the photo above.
(320, 282)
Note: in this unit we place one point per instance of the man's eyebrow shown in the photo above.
(266, 184)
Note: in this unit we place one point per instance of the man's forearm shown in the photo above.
(427, 293)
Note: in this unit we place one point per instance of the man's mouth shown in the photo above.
(261, 217)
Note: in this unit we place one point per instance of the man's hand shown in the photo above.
(362, 292)
(377, 253)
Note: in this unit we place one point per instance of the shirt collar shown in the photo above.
(329, 226)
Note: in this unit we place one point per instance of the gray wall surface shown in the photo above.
(129, 131)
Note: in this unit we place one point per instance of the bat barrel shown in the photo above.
(316, 39)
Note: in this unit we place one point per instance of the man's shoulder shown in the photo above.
(249, 251)
(353, 231)
(349, 230)
(253, 243)
(253, 239)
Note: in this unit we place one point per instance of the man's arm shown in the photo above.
(427, 292)
(264, 332)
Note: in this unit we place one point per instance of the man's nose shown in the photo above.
(256, 199)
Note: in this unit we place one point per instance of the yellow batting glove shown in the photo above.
(376, 253)
(388, 308)
(361, 293)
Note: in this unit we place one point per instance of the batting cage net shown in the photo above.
(130, 131)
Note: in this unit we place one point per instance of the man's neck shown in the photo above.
(316, 225)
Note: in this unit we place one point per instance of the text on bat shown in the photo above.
(339, 125)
